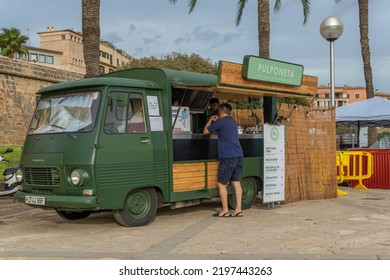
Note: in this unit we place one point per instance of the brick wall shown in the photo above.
(19, 81)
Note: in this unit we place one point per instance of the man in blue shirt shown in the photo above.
(230, 157)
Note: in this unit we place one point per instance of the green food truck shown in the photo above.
(116, 143)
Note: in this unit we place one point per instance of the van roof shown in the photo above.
(164, 77)
(100, 81)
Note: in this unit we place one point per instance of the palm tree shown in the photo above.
(364, 43)
(91, 36)
(366, 54)
(263, 19)
(12, 41)
(263, 23)
(264, 30)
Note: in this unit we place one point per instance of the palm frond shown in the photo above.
(11, 40)
(191, 5)
(172, 1)
(278, 5)
(306, 10)
(240, 8)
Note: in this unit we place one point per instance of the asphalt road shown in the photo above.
(356, 226)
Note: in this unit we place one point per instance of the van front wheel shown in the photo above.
(69, 215)
(140, 208)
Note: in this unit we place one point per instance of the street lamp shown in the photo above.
(331, 28)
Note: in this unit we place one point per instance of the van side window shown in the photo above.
(125, 113)
(136, 124)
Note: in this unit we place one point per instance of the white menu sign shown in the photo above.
(153, 106)
(274, 163)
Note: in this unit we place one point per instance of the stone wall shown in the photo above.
(19, 81)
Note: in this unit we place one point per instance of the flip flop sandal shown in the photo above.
(225, 215)
(239, 214)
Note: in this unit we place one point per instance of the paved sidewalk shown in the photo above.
(356, 226)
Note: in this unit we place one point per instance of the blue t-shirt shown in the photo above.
(228, 142)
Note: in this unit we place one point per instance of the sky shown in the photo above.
(145, 28)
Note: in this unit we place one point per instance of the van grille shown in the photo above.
(48, 176)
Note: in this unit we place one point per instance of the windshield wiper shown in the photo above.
(64, 130)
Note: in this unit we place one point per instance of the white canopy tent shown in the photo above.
(374, 112)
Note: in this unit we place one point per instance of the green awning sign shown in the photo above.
(267, 70)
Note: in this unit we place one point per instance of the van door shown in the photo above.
(124, 158)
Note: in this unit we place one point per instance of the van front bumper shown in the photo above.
(61, 202)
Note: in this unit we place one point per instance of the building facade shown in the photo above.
(70, 44)
(384, 95)
(343, 95)
(110, 58)
(42, 57)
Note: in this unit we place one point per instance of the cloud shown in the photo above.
(112, 37)
(132, 28)
(180, 40)
(148, 41)
(154, 28)
(206, 35)
(213, 38)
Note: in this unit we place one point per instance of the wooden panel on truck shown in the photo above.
(192, 176)
(231, 85)
(212, 174)
(231, 81)
(189, 176)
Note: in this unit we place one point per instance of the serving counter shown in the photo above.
(197, 146)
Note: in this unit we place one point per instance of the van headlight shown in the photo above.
(78, 176)
(19, 175)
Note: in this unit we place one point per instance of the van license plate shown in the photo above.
(37, 200)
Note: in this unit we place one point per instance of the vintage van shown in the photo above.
(116, 143)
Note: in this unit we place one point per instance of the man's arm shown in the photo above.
(206, 130)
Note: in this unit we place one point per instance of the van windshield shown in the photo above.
(66, 113)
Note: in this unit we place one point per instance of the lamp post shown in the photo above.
(331, 28)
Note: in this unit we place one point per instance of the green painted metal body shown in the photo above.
(113, 164)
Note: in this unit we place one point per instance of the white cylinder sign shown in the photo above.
(274, 163)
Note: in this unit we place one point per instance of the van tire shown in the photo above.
(140, 208)
(249, 193)
(69, 215)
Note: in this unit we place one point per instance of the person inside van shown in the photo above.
(213, 108)
(175, 102)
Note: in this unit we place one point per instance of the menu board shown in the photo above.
(274, 163)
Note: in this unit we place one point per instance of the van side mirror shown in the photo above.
(9, 150)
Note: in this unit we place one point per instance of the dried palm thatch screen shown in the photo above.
(310, 151)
